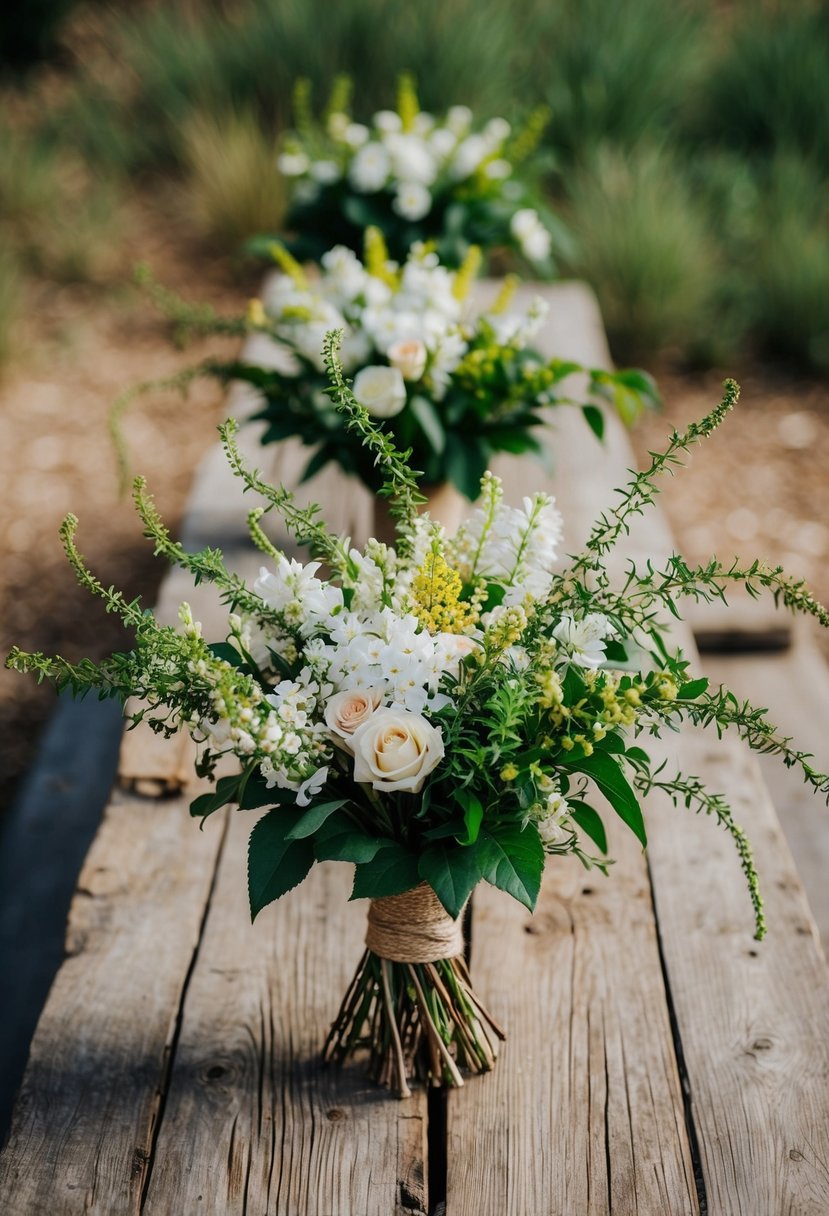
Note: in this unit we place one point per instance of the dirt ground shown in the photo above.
(760, 487)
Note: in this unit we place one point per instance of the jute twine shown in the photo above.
(413, 928)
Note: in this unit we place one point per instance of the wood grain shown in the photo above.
(583, 1113)
(252, 1122)
(83, 1127)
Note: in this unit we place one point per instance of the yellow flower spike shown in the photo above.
(529, 137)
(436, 591)
(340, 100)
(504, 297)
(509, 772)
(467, 273)
(408, 106)
(288, 264)
(303, 114)
(376, 256)
(256, 313)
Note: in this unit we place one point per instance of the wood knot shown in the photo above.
(215, 1072)
(794, 1155)
(335, 1114)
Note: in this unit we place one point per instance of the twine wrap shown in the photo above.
(413, 928)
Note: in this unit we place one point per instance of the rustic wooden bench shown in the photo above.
(659, 1061)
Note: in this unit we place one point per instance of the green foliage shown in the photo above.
(9, 300)
(276, 862)
(232, 182)
(613, 72)
(644, 247)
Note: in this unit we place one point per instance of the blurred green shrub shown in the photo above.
(767, 89)
(233, 185)
(10, 286)
(612, 71)
(645, 249)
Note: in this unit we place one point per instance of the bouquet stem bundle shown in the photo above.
(418, 1017)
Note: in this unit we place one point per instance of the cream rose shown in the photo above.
(381, 390)
(346, 712)
(396, 750)
(409, 358)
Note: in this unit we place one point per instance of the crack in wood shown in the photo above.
(170, 1054)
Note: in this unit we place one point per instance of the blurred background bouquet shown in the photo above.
(417, 177)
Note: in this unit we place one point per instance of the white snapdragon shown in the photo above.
(356, 134)
(293, 590)
(388, 121)
(554, 827)
(583, 641)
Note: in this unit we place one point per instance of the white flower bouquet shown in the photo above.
(437, 714)
(450, 386)
(417, 177)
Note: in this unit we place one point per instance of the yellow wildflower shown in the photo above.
(436, 592)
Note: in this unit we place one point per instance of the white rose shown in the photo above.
(356, 134)
(346, 712)
(396, 750)
(292, 164)
(469, 155)
(381, 390)
(324, 171)
(458, 119)
(409, 357)
(388, 121)
(412, 201)
(524, 222)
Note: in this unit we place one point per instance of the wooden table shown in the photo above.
(659, 1061)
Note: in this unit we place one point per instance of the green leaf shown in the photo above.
(512, 859)
(338, 840)
(608, 776)
(693, 689)
(589, 821)
(594, 418)
(392, 871)
(429, 422)
(466, 462)
(314, 818)
(452, 872)
(473, 814)
(276, 864)
(225, 792)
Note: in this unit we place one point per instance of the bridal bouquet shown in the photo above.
(438, 713)
(453, 387)
(416, 177)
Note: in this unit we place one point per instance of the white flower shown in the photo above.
(356, 134)
(458, 119)
(381, 390)
(388, 121)
(409, 357)
(497, 130)
(412, 159)
(498, 169)
(396, 750)
(469, 154)
(311, 786)
(442, 143)
(347, 711)
(412, 201)
(370, 168)
(553, 827)
(292, 164)
(533, 238)
(325, 172)
(584, 640)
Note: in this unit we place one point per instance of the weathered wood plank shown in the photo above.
(705, 928)
(584, 1111)
(252, 1122)
(83, 1127)
(794, 685)
(753, 1017)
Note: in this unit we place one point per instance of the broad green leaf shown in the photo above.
(225, 792)
(589, 821)
(429, 422)
(694, 688)
(473, 814)
(392, 871)
(512, 859)
(275, 863)
(314, 818)
(452, 872)
(610, 779)
(338, 840)
(594, 418)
